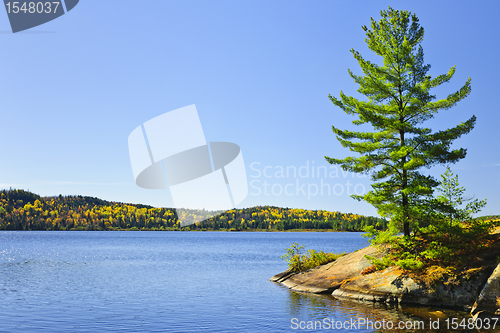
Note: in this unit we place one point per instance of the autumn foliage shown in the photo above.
(23, 210)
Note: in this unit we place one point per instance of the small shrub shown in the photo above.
(293, 257)
(410, 264)
(299, 262)
(381, 263)
(369, 270)
(313, 258)
(437, 251)
(434, 274)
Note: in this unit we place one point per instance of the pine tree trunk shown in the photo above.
(404, 185)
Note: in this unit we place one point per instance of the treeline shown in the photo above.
(276, 218)
(488, 217)
(23, 210)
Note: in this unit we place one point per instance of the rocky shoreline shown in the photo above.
(475, 291)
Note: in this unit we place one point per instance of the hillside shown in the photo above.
(23, 210)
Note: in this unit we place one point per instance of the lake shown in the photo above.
(146, 281)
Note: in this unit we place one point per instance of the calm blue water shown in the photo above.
(73, 281)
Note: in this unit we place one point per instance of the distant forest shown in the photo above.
(23, 210)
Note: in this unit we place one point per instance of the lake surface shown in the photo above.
(126, 281)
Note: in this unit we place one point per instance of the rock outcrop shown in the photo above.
(328, 277)
(488, 300)
(343, 279)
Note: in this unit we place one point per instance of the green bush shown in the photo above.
(381, 263)
(299, 262)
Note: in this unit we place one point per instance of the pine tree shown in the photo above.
(398, 102)
(457, 222)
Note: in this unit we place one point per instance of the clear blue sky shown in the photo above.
(259, 73)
